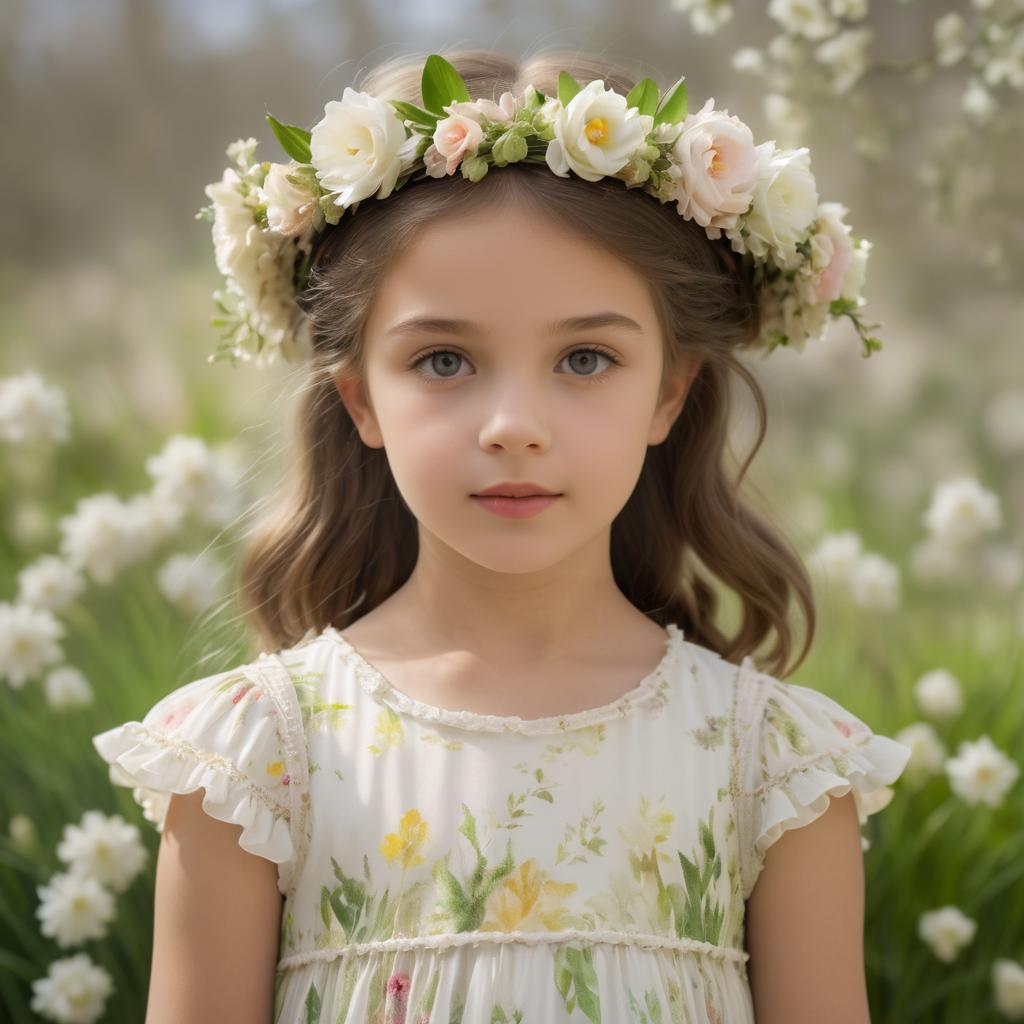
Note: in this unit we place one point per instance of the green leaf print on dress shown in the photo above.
(582, 837)
(576, 980)
(783, 724)
(697, 913)
(649, 1012)
(463, 904)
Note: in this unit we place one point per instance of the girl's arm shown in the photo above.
(217, 919)
(805, 924)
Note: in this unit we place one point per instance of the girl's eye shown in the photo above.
(451, 355)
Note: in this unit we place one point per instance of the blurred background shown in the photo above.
(900, 478)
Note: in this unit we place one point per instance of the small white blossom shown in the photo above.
(946, 931)
(981, 773)
(961, 510)
(49, 582)
(875, 582)
(938, 694)
(837, 553)
(104, 847)
(928, 752)
(846, 56)
(157, 518)
(809, 18)
(748, 60)
(851, 10)
(24, 835)
(950, 34)
(29, 642)
(1008, 988)
(187, 472)
(706, 16)
(66, 687)
(74, 908)
(74, 991)
(977, 101)
(192, 582)
(102, 536)
(786, 116)
(32, 411)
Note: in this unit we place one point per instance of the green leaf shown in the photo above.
(673, 106)
(567, 87)
(441, 85)
(294, 140)
(414, 114)
(643, 96)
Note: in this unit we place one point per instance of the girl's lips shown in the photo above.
(515, 508)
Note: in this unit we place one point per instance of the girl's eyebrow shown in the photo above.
(444, 325)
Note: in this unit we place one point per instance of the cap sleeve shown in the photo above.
(800, 748)
(237, 734)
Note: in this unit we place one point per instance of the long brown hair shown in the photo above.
(344, 540)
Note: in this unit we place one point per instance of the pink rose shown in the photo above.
(717, 168)
(455, 137)
(831, 252)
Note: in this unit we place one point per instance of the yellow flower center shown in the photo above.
(717, 163)
(596, 130)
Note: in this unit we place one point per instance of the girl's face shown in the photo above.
(507, 390)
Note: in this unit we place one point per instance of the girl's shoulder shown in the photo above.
(236, 734)
(797, 748)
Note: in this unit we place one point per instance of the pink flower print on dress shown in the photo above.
(847, 728)
(397, 995)
(275, 770)
(240, 692)
(178, 713)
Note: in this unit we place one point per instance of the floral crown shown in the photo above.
(805, 263)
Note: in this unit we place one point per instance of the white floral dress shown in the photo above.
(447, 866)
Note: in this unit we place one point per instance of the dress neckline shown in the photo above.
(374, 682)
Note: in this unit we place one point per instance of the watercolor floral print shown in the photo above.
(455, 868)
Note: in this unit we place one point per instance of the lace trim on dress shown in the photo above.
(271, 674)
(574, 935)
(651, 686)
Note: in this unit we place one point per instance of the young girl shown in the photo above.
(503, 763)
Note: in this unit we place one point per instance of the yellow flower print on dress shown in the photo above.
(528, 900)
(389, 731)
(407, 842)
(276, 773)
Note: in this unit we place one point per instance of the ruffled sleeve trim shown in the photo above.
(805, 749)
(243, 755)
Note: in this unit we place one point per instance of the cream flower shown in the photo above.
(359, 147)
(717, 168)
(784, 206)
(595, 134)
(501, 112)
(290, 207)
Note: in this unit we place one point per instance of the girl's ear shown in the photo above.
(353, 396)
(673, 397)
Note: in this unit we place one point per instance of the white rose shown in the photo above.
(785, 203)
(716, 168)
(501, 112)
(290, 207)
(359, 147)
(595, 134)
(853, 280)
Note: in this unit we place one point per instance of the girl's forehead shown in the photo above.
(487, 263)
